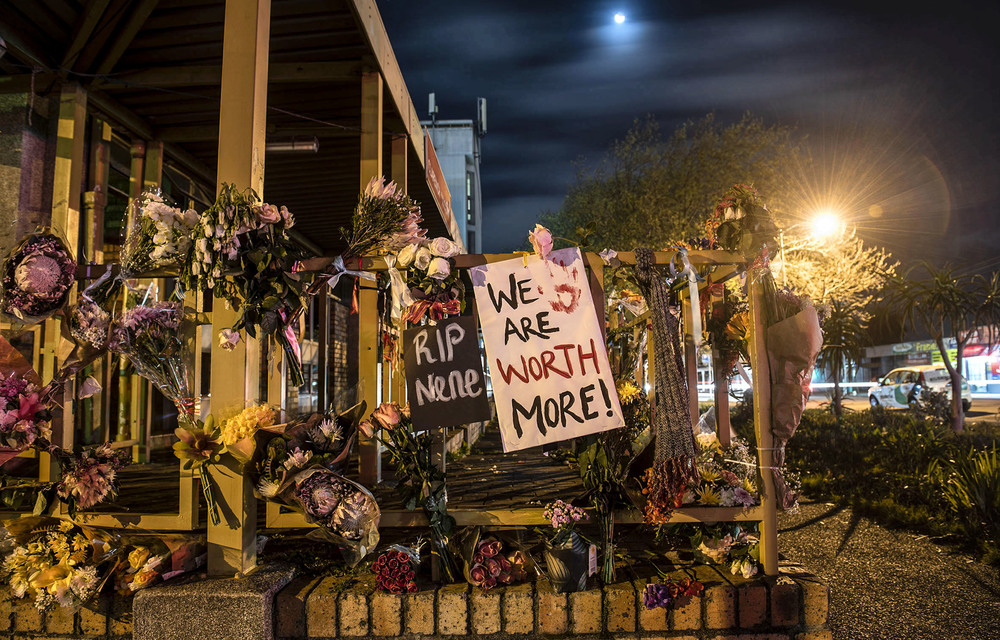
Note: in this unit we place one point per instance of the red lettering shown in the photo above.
(537, 375)
(588, 356)
(566, 348)
(548, 357)
(510, 372)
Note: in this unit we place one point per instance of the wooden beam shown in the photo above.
(68, 172)
(125, 34)
(371, 127)
(83, 30)
(86, 59)
(211, 75)
(210, 133)
(373, 30)
(242, 119)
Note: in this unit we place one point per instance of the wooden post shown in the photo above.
(762, 427)
(691, 361)
(368, 330)
(242, 120)
(721, 380)
(399, 167)
(93, 242)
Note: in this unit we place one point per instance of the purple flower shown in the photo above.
(656, 595)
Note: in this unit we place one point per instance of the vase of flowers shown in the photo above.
(565, 550)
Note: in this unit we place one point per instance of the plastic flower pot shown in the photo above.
(567, 564)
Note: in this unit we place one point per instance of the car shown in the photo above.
(900, 387)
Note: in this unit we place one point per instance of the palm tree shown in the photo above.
(845, 336)
(966, 307)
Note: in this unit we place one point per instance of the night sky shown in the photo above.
(898, 103)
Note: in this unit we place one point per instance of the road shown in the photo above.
(982, 408)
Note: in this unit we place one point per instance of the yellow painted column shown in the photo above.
(398, 167)
(242, 121)
(762, 427)
(690, 361)
(368, 335)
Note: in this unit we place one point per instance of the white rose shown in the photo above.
(422, 259)
(444, 247)
(439, 269)
(406, 255)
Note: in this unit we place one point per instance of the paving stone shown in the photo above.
(518, 605)
(290, 607)
(585, 611)
(619, 607)
(784, 602)
(485, 609)
(720, 607)
(26, 616)
(815, 635)
(815, 600)
(752, 598)
(352, 612)
(94, 618)
(6, 611)
(387, 614)
(686, 615)
(237, 608)
(321, 608)
(60, 620)
(420, 612)
(453, 610)
(553, 609)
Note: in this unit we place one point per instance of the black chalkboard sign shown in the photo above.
(444, 374)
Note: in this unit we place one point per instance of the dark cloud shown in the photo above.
(878, 86)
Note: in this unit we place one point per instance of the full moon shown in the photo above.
(619, 18)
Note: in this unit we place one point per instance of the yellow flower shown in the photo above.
(708, 474)
(708, 495)
(750, 486)
(138, 557)
(65, 526)
(244, 424)
(628, 392)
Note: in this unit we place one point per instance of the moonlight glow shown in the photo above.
(619, 18)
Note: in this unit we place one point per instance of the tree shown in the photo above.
(652, 192)
(844, 341)
(967, 306)
(842, 268)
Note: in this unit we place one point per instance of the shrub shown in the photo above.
(972, 490)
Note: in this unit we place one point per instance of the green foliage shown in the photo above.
(902, 469)
(652, 192)
(844, 341)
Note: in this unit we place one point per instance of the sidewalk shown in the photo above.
(889, 584)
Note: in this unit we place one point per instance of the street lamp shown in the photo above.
(824, 224)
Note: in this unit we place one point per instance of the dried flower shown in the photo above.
(541, 241)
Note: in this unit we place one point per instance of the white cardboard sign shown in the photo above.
(548, 363)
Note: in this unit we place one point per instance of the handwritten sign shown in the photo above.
(548, 364)
(444, 374)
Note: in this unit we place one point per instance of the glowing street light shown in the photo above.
(619, 18)
(825, 224)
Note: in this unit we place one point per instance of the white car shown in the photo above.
(901, 386)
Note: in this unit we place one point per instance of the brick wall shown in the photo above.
(792, 606)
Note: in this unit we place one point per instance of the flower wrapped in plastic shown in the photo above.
(395, 570)
(149, 335)
(435, 288)
(346, 513)
(158, 236)
(56, 562)
(727, 476)
(36, 277)
(486, 565)
(151, 559)
(90, 478)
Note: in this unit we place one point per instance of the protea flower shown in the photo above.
(195, 444)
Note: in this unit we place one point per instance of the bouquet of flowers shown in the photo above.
(151, 559)
(90, 478)
(149, 336)
(159, 236)
(36, 277)
(242, 251)
(421, 482)
(394, 570)
(197, 445)
(56, 562)
(24, 413)
(486, 566)
(90, 325)
(346, 512)
(563, 517)
(385, 218)
(728, 477)
(663, 594)
(565, 552)
(434, 283)
(734, 543)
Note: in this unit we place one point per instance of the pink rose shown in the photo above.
(489, 583)
(268, 214)
(287, 217)
(477, 574)
(228, 339)
(541, 241)
(478, 558)
(493, 567)
(387, 415)
(367, 428)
